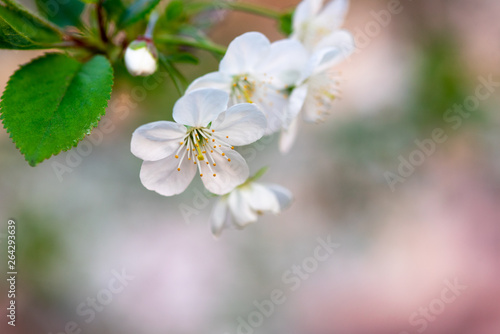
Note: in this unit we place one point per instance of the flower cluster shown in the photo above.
(261, 88)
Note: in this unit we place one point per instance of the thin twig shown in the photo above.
(100, 19)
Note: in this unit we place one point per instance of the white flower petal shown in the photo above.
(216, 80)
(321, 96)
(163, 177)
(280, 68)
(244, 53)
(228, 174)
(157, 140)
(296, 102)
(273, 104)
(261, 199)
(333, 14)
(295, 105)
(241, 124)
(339, 46)
(288, 136)
(200, 107)
(305, 11)
(283, 195)
(240, 209)
(219, 217)
(311, 113)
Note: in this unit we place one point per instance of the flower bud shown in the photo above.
(141, 57)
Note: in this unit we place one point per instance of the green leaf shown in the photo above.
(174, 10)
(114, 8)
(138, 10)
(286, 23)
(21, 30)
(53, 102)
(185, 57)
(63, 13)
(177, 78)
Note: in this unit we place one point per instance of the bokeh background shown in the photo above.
(397, 248)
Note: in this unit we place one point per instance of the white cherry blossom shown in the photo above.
(315, 92)
(141, 57)
(245, 203)
(317, 25)
(202, 139)
(254, 70)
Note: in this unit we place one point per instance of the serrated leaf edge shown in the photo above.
(92, 125)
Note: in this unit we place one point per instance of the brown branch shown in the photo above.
(100, 19)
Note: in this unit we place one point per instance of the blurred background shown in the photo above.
(400, 250)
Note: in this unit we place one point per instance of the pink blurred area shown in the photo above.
(444, 231)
